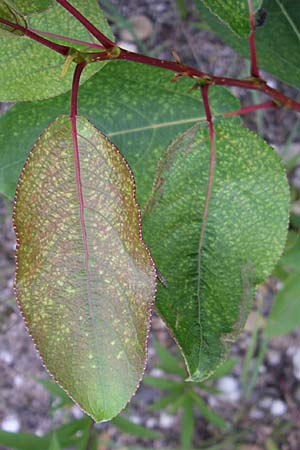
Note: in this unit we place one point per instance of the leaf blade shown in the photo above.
(234, 257)
(91, 324)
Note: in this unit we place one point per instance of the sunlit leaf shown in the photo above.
(209, 288)
(85, 280)
(31, 71)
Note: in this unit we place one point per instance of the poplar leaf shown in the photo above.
(31, 71)
(85, 280)
(209, 289)
(9, 12)
(234, 13)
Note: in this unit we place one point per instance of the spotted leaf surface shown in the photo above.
(31, 71)
(85, 280)
(9, 12)
(208, 289)
(277, 40)
(234, 13)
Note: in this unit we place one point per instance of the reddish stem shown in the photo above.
(73, 116)
(204, 92)
(252, 108)
(107, 43)
(256, 84)
(64, 38)
(254, 67)
(62, 49)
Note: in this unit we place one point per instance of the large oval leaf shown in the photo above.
(209, 288)
(85, 280)
(235, 13)
(140, 137)
(30, 71)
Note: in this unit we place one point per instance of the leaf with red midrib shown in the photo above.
(85, 280)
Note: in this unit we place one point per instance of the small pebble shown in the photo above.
(278, 408)
(18, 380)
(157, 373)
(135, 419)
(166, 421)
(273, 358)
(10, 423)
(256, 414)
(151, 422)
(266, 403)
(76, 411)
(6, 357)
(296, 364)
(229, 388)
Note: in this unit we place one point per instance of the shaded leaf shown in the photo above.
(141, 112)
(126, 426)
(30, 71)
(187, 424)
(163, 402)
(277, 41)
(163, 383)
(234, 13)
(210, 288)
(54, 445)
(167, 362)
(85, 280)
(208, 413)
(285, 312)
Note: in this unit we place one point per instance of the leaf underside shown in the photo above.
(87, 307)
(209, 289)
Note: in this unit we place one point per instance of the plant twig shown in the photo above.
(254, 67)
(252, 108)
(62, 49)
(107, 43)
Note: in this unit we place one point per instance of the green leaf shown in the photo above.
(31, 71)
(136, 106)
(277, 41)
(284, 315)
(85, 280)
(167, 362)
(21, 441)
(163, 383)
(9, 12)
(234, 13)
(210, 288)
(29, 7)
(207, 413)
(165, 401)
(54, 445)
(126, 426)
(290, 260)
(187, 424)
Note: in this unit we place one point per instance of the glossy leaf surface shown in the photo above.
(30, 71)
(209, 288)
(141, 112)
(234, 13)
(85, 280)
(277, 40)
